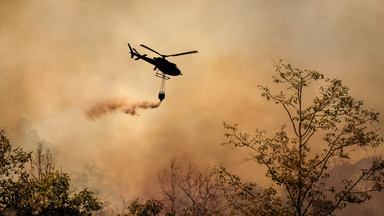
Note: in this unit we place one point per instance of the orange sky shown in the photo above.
(58, 58)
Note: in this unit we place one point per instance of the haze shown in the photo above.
(59, 58)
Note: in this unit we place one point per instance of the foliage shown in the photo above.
(14, 189)
(248, 198)
(52, 196)
(333, 120)
(23, 194)
(85, 202)
(150, 207)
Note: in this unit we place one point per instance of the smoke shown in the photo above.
(57, 59)
(104, 108)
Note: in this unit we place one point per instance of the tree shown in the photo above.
(38, 191)
(85, 202)
(151, 207)
(189, 191)
(333, 120)
(52, 196)
(186, 190)
(169, 183)
(248, 198)
(42, 162)
(14, 186)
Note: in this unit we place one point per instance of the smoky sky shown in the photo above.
(59, 58)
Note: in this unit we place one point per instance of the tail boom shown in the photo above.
(132, 51)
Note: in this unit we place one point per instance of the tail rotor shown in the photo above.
(132, 51)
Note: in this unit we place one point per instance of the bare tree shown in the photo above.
(189, 191)
(169, 183)
(42, 161)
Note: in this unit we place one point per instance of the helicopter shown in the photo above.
(163, 67)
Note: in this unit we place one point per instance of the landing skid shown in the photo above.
(161, 75)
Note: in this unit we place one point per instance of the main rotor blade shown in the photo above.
(151, 49)
(184, 53)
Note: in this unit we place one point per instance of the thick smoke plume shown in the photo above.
(103, 108)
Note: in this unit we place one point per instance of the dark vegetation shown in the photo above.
(30, 185)
(302, 180)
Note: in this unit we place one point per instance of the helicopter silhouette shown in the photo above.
(162, 66)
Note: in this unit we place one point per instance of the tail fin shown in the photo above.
(132, 53)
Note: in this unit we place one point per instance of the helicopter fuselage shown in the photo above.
(163, 65)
